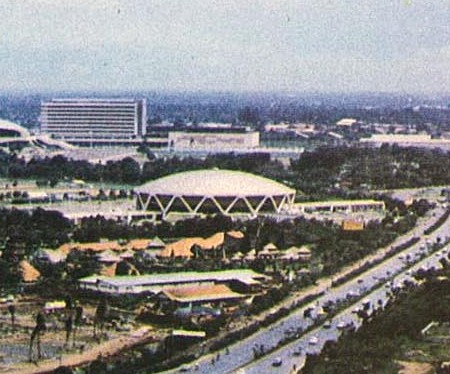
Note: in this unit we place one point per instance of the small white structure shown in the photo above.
(346, 122)
(211, 140)
(341, 205)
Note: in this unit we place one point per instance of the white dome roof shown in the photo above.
(214, 183)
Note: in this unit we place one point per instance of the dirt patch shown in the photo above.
(411, 367)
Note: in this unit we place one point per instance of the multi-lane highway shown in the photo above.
(371, 286)
(288, 354)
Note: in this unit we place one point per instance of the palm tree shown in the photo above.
(100, 316)
(36, 335)
(68, 326)
(77, 321)
(12, 312)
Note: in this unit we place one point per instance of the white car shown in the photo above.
(185, 368)
(314, 340)
(277, 362)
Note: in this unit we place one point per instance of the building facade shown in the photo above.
(94, 120)
(213, 140)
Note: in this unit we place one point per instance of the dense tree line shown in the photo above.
(23, 233)
(340, 171)
(333, 168)
(127, 170)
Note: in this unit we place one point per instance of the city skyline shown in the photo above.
(288, 46)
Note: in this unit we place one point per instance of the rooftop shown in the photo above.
(182, 247)
(201, 293)
(246, 276)
(214, 183)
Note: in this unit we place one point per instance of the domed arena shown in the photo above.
(224, 192)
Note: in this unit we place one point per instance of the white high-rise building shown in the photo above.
(94, 120)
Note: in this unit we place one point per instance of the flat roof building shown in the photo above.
(407, 140)
(155, 283)
(88, 121)
(213, 139)
(340, 205)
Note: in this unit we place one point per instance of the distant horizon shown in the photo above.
(115, 92)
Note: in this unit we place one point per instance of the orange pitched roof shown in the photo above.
(99, 246)
(66, 248)
(213, 241)
(201, 293)
(134, 244)
(182, 248)
(138, 244)
(28, 272)
(95, 246)
(235, 234)
(108, 271)
(350, 225)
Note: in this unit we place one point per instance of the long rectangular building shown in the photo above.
(154, 283)
(94, 120)
(213, 140)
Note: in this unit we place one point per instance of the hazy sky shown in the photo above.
(272, 45)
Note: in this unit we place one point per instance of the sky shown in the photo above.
(400, 46)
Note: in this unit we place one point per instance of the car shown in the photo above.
(297, 351)
(277, 362)
(185, 368)
(313, 340)
(327, 324)
(341, 325)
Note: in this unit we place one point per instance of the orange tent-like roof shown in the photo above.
(201, 293)
(138, 244)
(235, 234)
(95, 246)
(99, 246)
(28, 272)
(182, 248)
(134, 244)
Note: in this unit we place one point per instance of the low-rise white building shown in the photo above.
(213, 140)
(155, 283)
